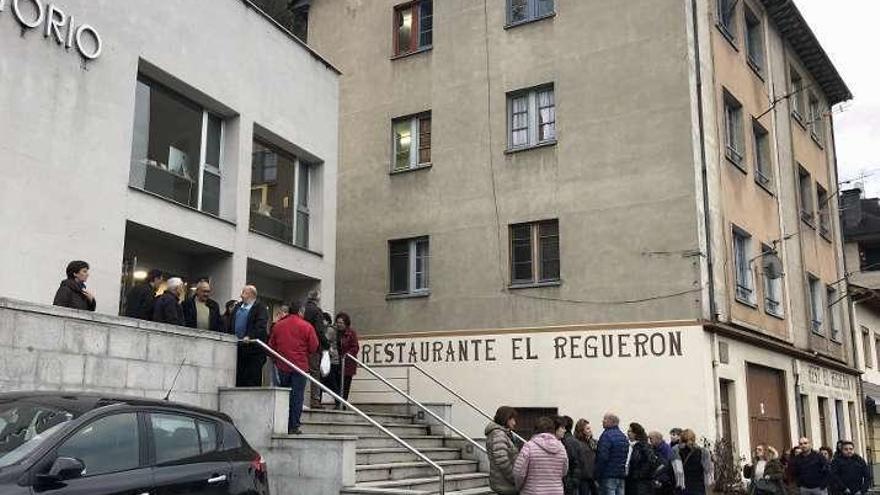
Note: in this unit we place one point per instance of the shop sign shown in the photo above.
(828, 378)
(520, 348)
(53, 22)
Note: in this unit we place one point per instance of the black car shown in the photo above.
(90, 444)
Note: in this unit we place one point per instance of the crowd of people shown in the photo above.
(300, 331)
(563, 458)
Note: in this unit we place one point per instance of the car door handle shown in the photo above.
(217, 479)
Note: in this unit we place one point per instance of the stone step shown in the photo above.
(337, 416)
(395, 454)
(407, 470)
(377, 440)
(430, 484)
(394, 407)
(363, 490)
(344, 428)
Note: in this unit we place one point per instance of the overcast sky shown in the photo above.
(846, 29)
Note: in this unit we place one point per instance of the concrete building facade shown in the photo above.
(630, 200)
(199, 138)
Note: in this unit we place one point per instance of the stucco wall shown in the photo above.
(66, 139)
(48, 348)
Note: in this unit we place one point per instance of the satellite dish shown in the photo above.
(772, 266)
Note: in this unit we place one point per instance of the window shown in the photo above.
(763, 168)
(833, 313)
(181, 437)
(727, 17)
(754, 41)
(411, 139)
(841, 420)
(867, 348)
(772, 288)
(531, 117)
(409, 262)
(823, 421)
(413, 26)
(817, 122)
(734, 147)
(816, 306)
(278, 209)
(797, 94)
(176, 148)
(534, 252)
(106, 445)
(822, 204)
(742, 248)
(805, 194)
(725, 386)
(803, 415)
(528, 10)
(851, 409)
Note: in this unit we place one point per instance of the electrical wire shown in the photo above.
(611, 302)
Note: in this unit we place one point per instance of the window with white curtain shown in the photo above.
(531, 117)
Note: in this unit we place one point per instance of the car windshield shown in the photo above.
(24, 425)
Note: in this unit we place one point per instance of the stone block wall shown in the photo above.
(50, 348)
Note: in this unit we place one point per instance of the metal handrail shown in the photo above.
(438, 382)
(272, 352)
(411, 400)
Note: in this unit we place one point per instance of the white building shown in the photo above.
(197, 137)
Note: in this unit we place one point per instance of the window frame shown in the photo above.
(773, 306)
(823, 212)
(412, 268)
(538, 256)
(753, 22)
(533, 117)
(833, 315)
(415, 42)
(533, 15)
(796, 90)
(806, 208)
(816, 292)
(763, 161)
(728, 30)
(816, 123)
(744, 290)
(734, 138)
(416, 137)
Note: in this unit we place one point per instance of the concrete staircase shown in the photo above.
(340, 453)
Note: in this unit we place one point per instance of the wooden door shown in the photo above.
(768, 412)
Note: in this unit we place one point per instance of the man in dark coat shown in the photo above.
(142, 297)
(572, 481)
(315, 315)
(249, 321)
(72, 292)
(167, 308)
(850, 474)
(200, 311)
(810, 469)
(611, 455)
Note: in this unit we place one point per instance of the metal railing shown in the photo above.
(440, 472)
(442, 385)
(410, 399)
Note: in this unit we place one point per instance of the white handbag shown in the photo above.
(325, 363)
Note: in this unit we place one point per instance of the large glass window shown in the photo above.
(107, 445)
(531, 117)
(528, 10)
(176, 148)
(534, 252)
(413, 26)
(409, 261)
(411, 139)
(281, 199)
(179, 437)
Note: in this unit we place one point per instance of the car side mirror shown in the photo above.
(64, 468)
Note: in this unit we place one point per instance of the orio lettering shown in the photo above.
(55, 23)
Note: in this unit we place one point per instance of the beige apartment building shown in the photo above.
(582, 206)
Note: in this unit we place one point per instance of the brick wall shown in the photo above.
(49, 348)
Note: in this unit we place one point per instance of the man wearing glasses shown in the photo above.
(811, 470)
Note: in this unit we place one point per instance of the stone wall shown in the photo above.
(50, 348)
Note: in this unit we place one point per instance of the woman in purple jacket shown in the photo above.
(542, 462)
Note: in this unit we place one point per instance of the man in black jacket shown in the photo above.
(810, 470)
(249, 321)
(572, 481)
(167, 308)
(850, 474)
(200, 311)
(314, 315)
(141, 298)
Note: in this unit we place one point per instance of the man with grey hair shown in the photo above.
(200, 311)
(611, 457)
(249, 321)
(315, 316)
(167, 308)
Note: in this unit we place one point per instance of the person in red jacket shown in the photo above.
(294, 338)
